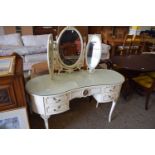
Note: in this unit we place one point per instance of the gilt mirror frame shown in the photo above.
(60, 65)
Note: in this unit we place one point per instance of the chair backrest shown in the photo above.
(135, 46)
(128, 40)
(136, 40)
(149, 43)
(126, 45)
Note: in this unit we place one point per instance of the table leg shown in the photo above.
(97, 104)
(113, 51)
(112, 109)
(45, 118)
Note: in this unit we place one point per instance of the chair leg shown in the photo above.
(147, 100)
(121, 52)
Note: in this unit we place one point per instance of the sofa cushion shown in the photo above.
(35, 49)
(36, 57)
(11, 39)
(8, 50)
(5, 51)
(35, 40)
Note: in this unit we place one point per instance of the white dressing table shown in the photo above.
(52, 96)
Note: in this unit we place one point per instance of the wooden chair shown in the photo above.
(135, 45)
(151, 74)
(148, 43)
(147, 84)
(39, 69)
(125, 48)
(151, 47)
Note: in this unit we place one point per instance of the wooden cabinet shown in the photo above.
(12, 93)
(23, 30)
(7, 95)
(55, 30)
(38, 30)
(109, 33)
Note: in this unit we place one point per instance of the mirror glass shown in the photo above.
(69, 46)
(93, 52)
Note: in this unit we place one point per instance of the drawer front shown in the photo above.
(76, 94)
(108, 93)
(110, 97)
(111, 93)
(85, 92)
(55, 100)
(111, 89)
(101, 98)
(56, 109)
(96, 90)
(56, 104)
(80, 93)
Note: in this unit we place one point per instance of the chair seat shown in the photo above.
(152, 47)
(123, 47)
(134, 47)
(151, 74)
(144, 80)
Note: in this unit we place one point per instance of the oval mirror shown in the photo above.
(93, 52)
(70, 46)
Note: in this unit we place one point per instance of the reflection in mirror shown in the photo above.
(93, 52)
(69, 46)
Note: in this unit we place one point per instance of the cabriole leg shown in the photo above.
(45, 118)
(97, 104)
(112, 109)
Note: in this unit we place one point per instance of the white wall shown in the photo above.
(1, 30)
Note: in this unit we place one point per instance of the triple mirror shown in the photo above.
(69, 52)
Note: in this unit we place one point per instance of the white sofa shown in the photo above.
(32, 48)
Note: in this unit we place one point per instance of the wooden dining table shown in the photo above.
(139, 63)
(131, 66)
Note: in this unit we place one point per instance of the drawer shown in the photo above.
(109, 97)
(106, 97)
(81, 93)
(95, 91)
(55, 100)
(76, 94)
(111, 89)
(85, 92)
(56, 109)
